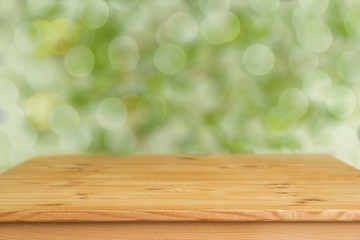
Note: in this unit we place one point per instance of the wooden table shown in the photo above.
(273, 197)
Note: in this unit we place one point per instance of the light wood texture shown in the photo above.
(181, 188)
(182, 231)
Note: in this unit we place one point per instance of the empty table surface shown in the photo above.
(180, 188)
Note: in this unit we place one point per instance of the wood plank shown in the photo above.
(182, 231)
(181, 188)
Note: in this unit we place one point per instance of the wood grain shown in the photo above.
(181, 188)
(182, 231)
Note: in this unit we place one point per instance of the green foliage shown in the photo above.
(158, 76)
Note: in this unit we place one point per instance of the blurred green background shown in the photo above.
(189, 77)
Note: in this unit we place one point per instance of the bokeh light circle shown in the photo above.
(50, 38)
(170, 59)
(64, 119)
(79, 61)
(111, 113)
(220, 27)
(181, 27)
(293, 103)
(315, 36)
(341, 101)
(316, 85)
(93, 14)
(28, 36)
(314, 7)
(212, 6)
(8, 91)
(38, 107)
(123, 54)
(265, 6)
(348, 66)
(66, 37)
(258, 59)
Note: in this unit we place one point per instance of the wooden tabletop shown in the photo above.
(181, 188)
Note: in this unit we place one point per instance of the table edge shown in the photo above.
(198, 215)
